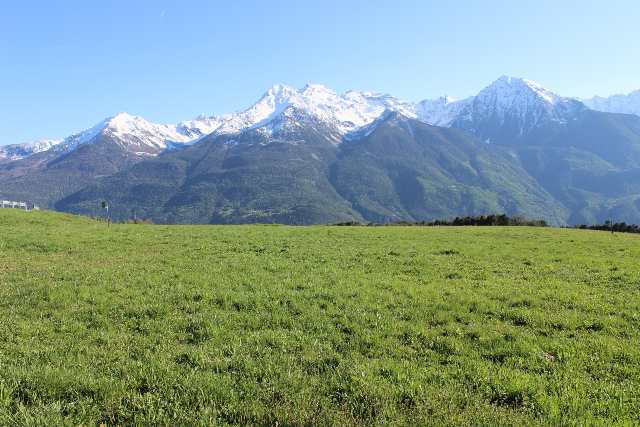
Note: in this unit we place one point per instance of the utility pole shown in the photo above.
(105, 206)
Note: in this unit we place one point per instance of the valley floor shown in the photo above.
(266, 325)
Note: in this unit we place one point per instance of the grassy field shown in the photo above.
(274, 325)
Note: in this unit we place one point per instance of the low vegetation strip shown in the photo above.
(274, 325)
(479, 220)
(614, 227)
(499, 220)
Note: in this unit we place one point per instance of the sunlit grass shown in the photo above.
(175, 325)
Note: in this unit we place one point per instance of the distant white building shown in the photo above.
(25, 206)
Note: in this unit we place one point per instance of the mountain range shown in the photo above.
(314, 156)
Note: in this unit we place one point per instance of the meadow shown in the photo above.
(353, 326)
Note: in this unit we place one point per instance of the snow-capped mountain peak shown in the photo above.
(511, 108)
(133, 133)
(513, 103)
(127, 127)
(624, 104)
(510, 91)
(123, 122)
(511, 87)
(276, 99)
(522, 103)
(315, 88)
(200, 126)
(20, 151)
(280, 91)
(317, 94)
(346, 112)
(389, 116)
(441, 111)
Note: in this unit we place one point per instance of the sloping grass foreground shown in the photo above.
(272, 325)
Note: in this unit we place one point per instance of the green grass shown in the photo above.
(266, 325)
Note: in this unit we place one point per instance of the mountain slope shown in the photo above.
(312, 155)
(588, 160)
(114, 144)
(46, 177)
(402, 169)
(592, 166)
(275, 173)
(296, 170)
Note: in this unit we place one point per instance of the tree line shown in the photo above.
(614, 227)
(479, 220)
(501, 221)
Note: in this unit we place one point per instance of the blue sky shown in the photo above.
(65, 65)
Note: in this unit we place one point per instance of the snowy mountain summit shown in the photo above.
(346, 112)
(624, 104)
(441, 111)
(513, 105)
(20, 151)
(525, 101)
(134, 134)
